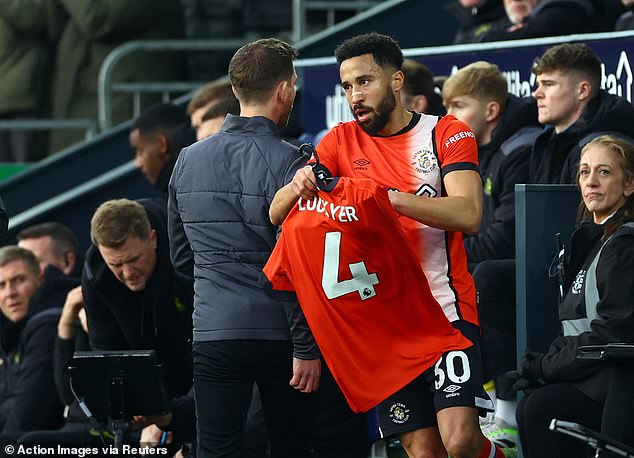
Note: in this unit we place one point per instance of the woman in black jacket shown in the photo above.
(598, 307)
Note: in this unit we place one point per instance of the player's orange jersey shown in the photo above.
(415, 161)
(362, 290)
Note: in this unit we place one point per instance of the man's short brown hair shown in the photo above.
(481, 80)
(571, 58)
(11, 253)
(116, 220)
(217, 89)
(258, 67)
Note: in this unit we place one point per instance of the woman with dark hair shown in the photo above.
(598, 307)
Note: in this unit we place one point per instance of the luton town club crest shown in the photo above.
(424, 161)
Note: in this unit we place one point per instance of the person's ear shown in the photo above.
(629, 188)
(283, 91)
(420, 103)
(584, 89)
(397, 80)
(492, 111)
(164, 144)
(70, 258)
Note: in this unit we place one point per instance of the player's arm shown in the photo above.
(302, 185)
(460, 210)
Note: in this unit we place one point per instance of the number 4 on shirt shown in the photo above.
(361, 281)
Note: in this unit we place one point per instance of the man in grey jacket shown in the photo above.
(219, 198)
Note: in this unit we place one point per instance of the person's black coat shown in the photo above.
(555, 156)
(28, 399)
(550, 18)
(503, 164)
(476, 22)
(158, 317)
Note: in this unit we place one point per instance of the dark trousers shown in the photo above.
(224, 373)
(495, 283)
(563, 402)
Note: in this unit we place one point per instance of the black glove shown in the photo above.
(529, 376)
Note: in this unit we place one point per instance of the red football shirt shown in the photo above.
(362, 290)
(415, 161)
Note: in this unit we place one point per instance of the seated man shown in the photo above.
(131, 295)
(214, 117)
(29, 302)
(54, 244)
(157, 136)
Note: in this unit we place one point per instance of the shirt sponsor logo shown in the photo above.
(459, 136)
(341, 213)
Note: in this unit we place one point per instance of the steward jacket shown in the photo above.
(218, 211)
(28, 399)
(597, 308)
(158, 317)
(555, 156)
(503, 164)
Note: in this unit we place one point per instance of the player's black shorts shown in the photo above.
(455, 380)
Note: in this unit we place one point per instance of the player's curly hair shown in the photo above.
(384, 49)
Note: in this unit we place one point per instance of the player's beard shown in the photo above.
(381, 116)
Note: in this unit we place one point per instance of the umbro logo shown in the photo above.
(452, 389)
(362, 162)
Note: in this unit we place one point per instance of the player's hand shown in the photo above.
(304, 183)
(162, 421)
(306, 374)
(72, 306)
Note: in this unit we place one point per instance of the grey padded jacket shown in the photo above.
(218, 215)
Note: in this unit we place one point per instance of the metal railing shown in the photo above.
(301, 7)
(106, 87)
(85, 124)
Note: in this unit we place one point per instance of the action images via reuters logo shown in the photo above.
(81, 452)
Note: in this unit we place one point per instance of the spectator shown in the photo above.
(91, 31)
(575, 110)
(241, 335)
(131, 294)
(384, 132)
(597, 308)
(215, 19)
(626, 19)
(157, 137)
(205, 97)
(476, 17)
(574, 107)
(29, 301)
(214, 117)
(419, 91)
(72, 335)
(52, 244)
(545, 18)
(505, 128)
(28, 31)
